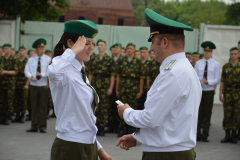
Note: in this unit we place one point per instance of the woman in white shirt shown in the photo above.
(74, 99)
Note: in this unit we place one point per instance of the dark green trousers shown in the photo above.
(181, 155)
(205, 113)
(65, 150)
(39, 100)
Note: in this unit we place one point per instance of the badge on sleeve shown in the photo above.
(170, 65)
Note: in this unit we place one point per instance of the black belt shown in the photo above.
(130, 78)
(232, 86)
(101, 75)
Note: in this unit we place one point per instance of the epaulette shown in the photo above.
(170, 65)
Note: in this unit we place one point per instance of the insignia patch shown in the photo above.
(170, 65)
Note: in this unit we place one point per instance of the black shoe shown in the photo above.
(227, 138)
(199, 139)
(47, 117)
(204, 139)
(7, 122)
(22, 120)
(53, 115)
(42, 131)
(101, 131)
(32, 130)
(234, 137)
(16, 119)
(28, 119)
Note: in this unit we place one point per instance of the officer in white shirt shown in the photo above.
(168, 123)
(208, 72)
(74, 99)
(35, 70)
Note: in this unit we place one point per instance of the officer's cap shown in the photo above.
(208, 45)
(39, 43)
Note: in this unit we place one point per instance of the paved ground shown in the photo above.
(16, 144)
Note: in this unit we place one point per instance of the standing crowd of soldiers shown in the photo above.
(126, 75)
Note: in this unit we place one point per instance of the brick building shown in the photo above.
(107, 12)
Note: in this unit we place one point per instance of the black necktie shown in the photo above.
(205, 70)
(39, 68)
(95, 100)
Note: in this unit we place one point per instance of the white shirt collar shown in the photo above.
(209, 60)
(167, 60)
(76, 64)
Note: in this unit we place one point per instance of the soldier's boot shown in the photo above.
(7, 120)
(238, 135)
(53, 115)
(29, 116)
(101, 131)
(22, 120)
(17, 118)
(110, 128)
(123, 131)
(47, 115)
(234, 137)
(227, 138)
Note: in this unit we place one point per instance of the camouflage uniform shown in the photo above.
(7, 87)
(231, 93)
(153, 71)
(145, 66)
(102, 70)
(130, 73)
(86, 64)
(20, 95)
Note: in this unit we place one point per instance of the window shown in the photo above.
(120, 22)
(61, 19)
(100, 20)
(81, 18)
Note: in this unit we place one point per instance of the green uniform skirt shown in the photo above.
(181, 155)
(65, 150)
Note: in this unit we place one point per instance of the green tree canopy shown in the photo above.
(33, 9)
(233, 14)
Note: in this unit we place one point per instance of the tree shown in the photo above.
(33, 9)
(232, 14)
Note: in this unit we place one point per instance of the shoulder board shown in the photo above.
(170, 65)
(215, 61)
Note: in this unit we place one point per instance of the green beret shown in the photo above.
(101, 40)
(234, 48)
(1, 46)
(118, 44)
(39, 43)
(208, 45)
(131, 44)
(201, 55)
(123, 48)
(238, 42)
(81, 27)
(188, 53)
(48, 50)
(22, 47)
(195, 52)
(162, 25)
(7, 45)
(31, 50)
(111, 47)
(16, 51)
(93, 43)
(143, 48)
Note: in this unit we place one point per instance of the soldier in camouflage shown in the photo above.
(7, 87)
(102, 71)
(229, 95)
(86, 64)
(153, 72)
(21, 87)
(129, 84)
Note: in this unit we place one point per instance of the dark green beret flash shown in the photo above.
(143, 48)
(7, 45)
(101, 40)
(22, 47)
(131, 44)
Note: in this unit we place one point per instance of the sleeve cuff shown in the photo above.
(68, 55)
(138, 144)
(99, 146)
(126, 112)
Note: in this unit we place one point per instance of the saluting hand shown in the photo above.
(126, 142)
(79, 45)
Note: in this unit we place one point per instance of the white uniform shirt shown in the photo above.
(213, 73)
(169, 120)
(72, 100)
(31, 70)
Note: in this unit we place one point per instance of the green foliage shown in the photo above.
(196, 12)
(33, 9)
(233, 15)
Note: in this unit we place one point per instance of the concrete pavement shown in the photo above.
(16, 144)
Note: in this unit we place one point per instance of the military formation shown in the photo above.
(126, 75)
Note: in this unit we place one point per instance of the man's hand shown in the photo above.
(33, 79)
(39, 74)
(25, 87)
(204, 80)
(139, 95)
(109, 92)
(221, 98)
(126, 142)
(103, 155)
(121, 109)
